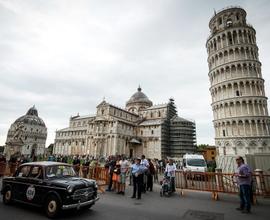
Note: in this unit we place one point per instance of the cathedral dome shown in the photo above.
(139, 97)
(31, 117)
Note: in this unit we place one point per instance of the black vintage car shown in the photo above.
(51, 185)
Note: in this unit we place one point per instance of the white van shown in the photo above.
(194, 163)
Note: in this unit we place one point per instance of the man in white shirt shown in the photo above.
(145, 163)
(170, 172)
(124, 166)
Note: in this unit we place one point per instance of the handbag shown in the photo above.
(117, 171)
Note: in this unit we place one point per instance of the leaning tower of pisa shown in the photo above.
(239, 102)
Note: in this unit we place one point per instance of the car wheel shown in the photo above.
(52, 206)
(7, 196)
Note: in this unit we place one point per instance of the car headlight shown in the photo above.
(96, 185)
(70, 189)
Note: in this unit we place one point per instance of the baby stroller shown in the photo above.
(166, 188)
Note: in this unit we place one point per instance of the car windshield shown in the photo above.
(59, 171)
(196, 162)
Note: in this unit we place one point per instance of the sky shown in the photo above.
(65, 56)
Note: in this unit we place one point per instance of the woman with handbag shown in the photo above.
(116, 176)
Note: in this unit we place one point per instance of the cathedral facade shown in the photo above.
(140, 128)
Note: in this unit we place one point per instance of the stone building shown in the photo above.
(140, 128)
(239, 103)
(27, 135)
(209, 153)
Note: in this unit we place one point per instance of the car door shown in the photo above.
(20, 183)
(36, 186)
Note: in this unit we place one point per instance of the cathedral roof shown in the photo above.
(72, 129)
(85, 117)
(152, 122)
(158, 106)
(31, 117)
(139, 97)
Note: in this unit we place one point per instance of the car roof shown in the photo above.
(45, 163)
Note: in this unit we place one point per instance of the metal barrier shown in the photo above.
(217, 182)
(220, 183)
(2, 168)
(100, 174)
(8, 169)
(97, 173)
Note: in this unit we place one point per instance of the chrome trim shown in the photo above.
(39, 185)
(79, 204)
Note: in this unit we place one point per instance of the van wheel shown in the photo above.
(52, 206)
(7, 196)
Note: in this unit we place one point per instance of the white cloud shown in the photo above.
(65, 56)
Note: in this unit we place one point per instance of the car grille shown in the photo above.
(83, 194)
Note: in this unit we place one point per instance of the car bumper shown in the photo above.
(80, 204)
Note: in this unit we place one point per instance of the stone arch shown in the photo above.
(240, 144)
(253, 143)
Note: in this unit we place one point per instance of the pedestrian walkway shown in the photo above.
(192, 205)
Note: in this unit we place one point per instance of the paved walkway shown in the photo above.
(193, 205)
(193, 201)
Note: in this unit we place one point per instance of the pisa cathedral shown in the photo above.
(239, 103)
(141, 128)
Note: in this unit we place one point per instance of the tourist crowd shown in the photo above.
(141, 173)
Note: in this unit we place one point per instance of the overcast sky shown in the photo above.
(65, 56)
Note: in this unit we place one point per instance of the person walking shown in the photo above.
(170, 172)
(145, 163)
(76, 164)
(156, 166)
(244, 179)
(85, 167)
(150, 175)
(111, 166)
(132, 161)
(124, 165)
(138, 171)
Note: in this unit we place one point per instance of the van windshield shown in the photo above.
(196, 162)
